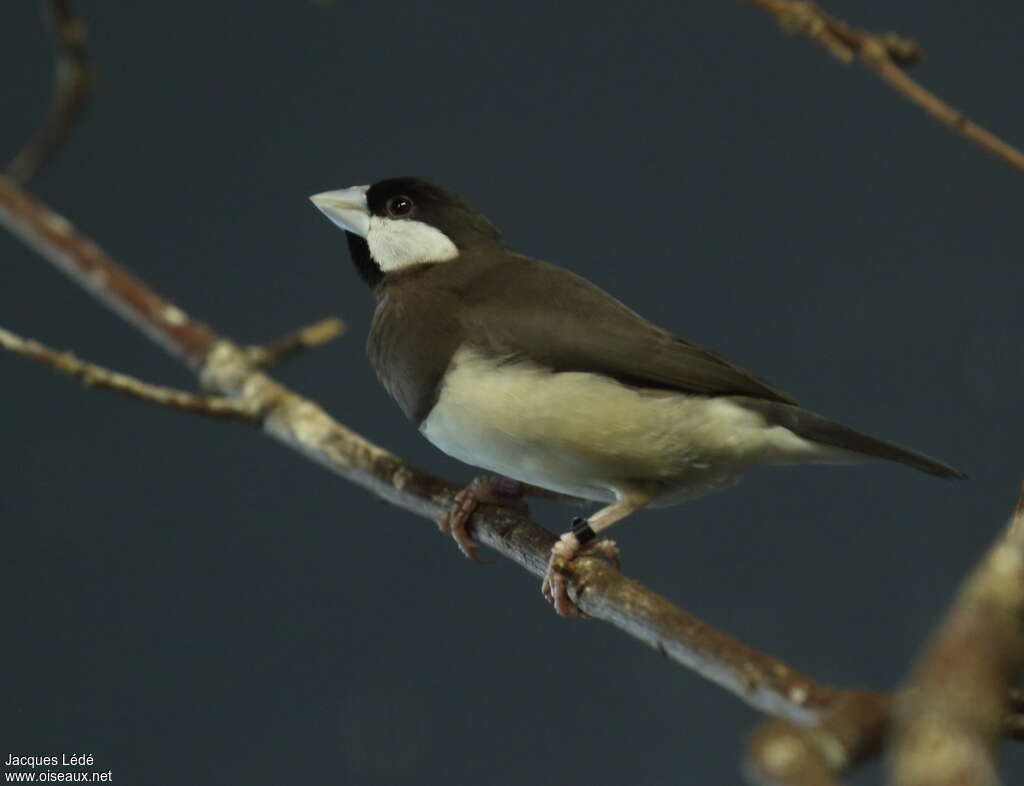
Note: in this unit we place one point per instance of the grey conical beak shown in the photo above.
(346, 208)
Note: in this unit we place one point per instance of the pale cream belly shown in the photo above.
(587, 435)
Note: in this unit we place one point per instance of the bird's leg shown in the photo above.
(569, 545)
(495, 489)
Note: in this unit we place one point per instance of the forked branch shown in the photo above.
(228, 370)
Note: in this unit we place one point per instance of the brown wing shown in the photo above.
(527, 308)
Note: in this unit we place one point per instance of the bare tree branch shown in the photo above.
(98, 376)
(954, 709)
(228, 370)
(73, 83)
(883, 53)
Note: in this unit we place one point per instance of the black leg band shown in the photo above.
(581, 529)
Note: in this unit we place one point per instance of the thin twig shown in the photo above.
(320, 332)
(98, 376)
(954, 710)
(73, 83)
(884, 53)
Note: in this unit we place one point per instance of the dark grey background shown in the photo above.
(192, 603)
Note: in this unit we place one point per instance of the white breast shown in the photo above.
(584, 434)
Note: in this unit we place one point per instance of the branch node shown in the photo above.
(903, 50)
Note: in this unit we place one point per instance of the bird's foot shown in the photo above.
(560, 566)
(494, 489)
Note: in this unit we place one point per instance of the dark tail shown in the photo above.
(818, 429)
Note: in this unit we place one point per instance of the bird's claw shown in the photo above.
(560, 568)
(487, 488)
(454, 522)
(556, 578)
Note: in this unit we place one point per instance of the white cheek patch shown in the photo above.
(395, 243)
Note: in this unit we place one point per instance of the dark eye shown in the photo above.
(399, 206)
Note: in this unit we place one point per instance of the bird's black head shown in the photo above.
(402, 222)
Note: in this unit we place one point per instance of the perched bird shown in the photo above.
(528, 370)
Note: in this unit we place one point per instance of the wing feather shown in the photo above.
(527, 308)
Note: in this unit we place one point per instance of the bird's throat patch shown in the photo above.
(396, 244)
